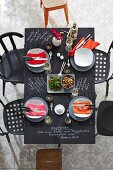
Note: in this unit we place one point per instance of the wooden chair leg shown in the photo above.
(41, 3)
(66, 13)
(4, 83)
(46, 16)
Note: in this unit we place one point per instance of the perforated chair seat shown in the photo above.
(53, 3)
(12, 66)
(14, 117)
(102, 66)
(105, 118)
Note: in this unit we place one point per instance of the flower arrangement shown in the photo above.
(56, 34)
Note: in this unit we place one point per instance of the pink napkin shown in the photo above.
(41, 108)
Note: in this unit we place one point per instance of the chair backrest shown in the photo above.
(10, 36)
(102, 64)
(105, 118)
(11, 61)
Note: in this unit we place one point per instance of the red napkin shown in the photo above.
(90, 44)
(72, 52)
(40, 107)
(32, 55)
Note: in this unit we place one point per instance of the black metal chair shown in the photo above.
(105, 118)
(11, 62)
(13, 117)
(102, 67)
(14, 123)
(2, 133)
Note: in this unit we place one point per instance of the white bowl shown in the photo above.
(83, 57)
(59, 109)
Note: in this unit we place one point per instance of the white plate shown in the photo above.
(83, 57)
(35, 51)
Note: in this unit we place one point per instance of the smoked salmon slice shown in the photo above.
(80, 108)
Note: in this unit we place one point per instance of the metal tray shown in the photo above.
(62, 90)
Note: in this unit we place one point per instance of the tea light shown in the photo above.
(68, 120)
(74, 92)
(48, 47)
(49, 98)
(48, 120)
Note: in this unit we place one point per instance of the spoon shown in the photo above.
(68, 63)
(50, 54)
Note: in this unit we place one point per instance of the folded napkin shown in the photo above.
(34, 56)
(41, 110)
(90, 44)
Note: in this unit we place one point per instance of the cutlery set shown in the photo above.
(82, 84)
(35, 36)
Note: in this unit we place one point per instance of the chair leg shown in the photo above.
(41, 3)
(4, 83)
(13, 152)
(66, 13)
(96, 134)
(46, 16)
(8, 139)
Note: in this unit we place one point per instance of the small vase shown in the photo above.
(56, 42)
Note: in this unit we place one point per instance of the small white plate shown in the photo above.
(83, 57)
(59, 109)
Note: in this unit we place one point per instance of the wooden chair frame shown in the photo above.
(46, 12)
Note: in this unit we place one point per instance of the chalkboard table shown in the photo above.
(58, 131)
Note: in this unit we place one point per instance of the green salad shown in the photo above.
(55, 83)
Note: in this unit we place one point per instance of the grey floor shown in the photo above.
(15, 15)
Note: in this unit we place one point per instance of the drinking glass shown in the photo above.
(47, 68)
(69, 43)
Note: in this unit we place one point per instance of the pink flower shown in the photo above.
(56, 34)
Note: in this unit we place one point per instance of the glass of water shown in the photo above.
(69, 43)
(47, 68)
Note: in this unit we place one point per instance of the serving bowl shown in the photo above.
(67, 81)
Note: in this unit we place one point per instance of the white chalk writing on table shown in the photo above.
(82, 84)
(63, 132)
(39, 35)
